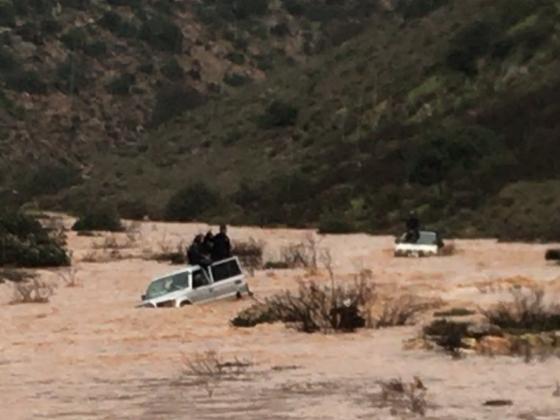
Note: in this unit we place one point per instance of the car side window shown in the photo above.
(199, 279)
(225, 270)
(180, 281)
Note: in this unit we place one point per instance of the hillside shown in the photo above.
(447, 107)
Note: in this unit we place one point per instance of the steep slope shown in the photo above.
(446, 107)
(84, 77)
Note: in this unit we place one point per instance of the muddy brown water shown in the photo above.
(90, 354)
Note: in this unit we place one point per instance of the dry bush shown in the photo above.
(398, 311)
(15, 275)
(167, 251)
(209, 368)
(102, 256)
(526, 312)
(111, 242)
(69, 276)
(32, 291)
(404, 397)
(305, 254)
(314, 308)
(250, 253)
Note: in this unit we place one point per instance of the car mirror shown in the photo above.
(143, 297)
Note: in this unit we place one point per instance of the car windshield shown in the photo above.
(167, 285)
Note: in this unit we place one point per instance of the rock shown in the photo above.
(494, 345)
(469, 342)
(498, 403)
(480, 330)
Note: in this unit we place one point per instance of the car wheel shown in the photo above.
(185, 303)
(238, 295)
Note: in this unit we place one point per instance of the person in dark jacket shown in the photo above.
(412, 227)
(195, 255)
(222, 245)
(208, 244)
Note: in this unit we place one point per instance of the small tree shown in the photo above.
(191, 202)
(101, 217)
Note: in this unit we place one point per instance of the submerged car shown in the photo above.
(426, 243)
(194, 284)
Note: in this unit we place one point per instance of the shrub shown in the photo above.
(191, 203)
(26, 81)
(32, 291)
(412, 9)
(173, 100)
(173, 70)
(313, 308)
(236, 79)
(162, 33)
(48, 179)
(278, 114)
(469, 44)
(25, 243)
(335, 223)
(122, 84)
(527, 312)
(250, 253)
(133, 208)
(7, 14)
(104, 217)
(75, 38)
(404, 398)
(72, 75)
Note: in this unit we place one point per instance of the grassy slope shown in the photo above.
(366, 110)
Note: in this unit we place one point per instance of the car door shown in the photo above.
(227, 278)
(201, 286)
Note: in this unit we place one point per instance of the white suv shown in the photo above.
(194, 284)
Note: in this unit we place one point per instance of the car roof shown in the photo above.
(188, 269)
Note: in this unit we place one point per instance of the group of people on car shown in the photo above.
(206, 249)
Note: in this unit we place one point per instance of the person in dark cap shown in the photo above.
(221, 245)
(412, 227)
(195, 255)
(208, 244)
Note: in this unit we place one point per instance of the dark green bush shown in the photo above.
(470, 43)
(8, 61)
(278, 114)
(134, 209)
(72, 75)
(122, 84)
(162, 33)
(7, 14)
(48, 179)
(25, 243)
(335, 223)
(75, 38)
(191, 203)
(236, 79)
(411, 9)
(26, 81)
(172, 100)
(173, 70)
(103, 217)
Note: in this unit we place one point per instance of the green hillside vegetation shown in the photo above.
(446, 107)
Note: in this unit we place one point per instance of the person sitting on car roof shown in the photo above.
(222, 245)
(412, 227)
(195, 255)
